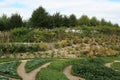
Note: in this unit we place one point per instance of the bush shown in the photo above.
(62, 44)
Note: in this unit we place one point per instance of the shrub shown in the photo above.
(62, 44)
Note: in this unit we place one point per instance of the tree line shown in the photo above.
(42, 19)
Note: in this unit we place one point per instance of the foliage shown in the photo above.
(72, 20)
(19, 48)
(92, 70)
(63, 43)
(57, 20)
(33, 64)
(16, 21)
(66, 21)
(4, 23)
(84, 20)
(39, 18)
(9, 69)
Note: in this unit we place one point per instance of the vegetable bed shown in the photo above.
(33, 64)
(93, 69)
(9, 69)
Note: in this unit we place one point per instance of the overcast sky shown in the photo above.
(108, 9)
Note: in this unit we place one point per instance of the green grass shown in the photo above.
(109, 59)
(33, 64)
(50, 74)
(9, 69)
(6, 60)
(116, 66)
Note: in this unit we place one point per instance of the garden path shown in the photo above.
(28, 76)
(67, 72)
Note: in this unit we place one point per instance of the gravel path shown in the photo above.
(31, 75)
(67, 72)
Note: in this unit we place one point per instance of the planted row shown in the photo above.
(9, 69)
(94, 70)
(33, 64)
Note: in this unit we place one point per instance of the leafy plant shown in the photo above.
(33, 64)
(94, 70)
(9, 69)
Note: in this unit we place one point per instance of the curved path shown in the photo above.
(67, 72)
(31, 75)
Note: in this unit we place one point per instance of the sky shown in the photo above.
(107, 9)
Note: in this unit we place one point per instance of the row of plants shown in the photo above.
(7, 59)
(93, 69)
(25, 34)
(20, 48)
(9, 69)
(33, 64)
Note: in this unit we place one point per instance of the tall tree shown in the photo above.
(39, 18)
(57, 20)
(94, 21)
(84, 20)
(103, 22)
(16, 21)
(66, 21)
(73, 20)
(4, 23)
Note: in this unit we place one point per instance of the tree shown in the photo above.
(94, 21)
(39, 18)
(84, 20)
(57, 20)
(66, 21)
(73, 20)
(4, 23)
(16, 21)
(103, 22)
